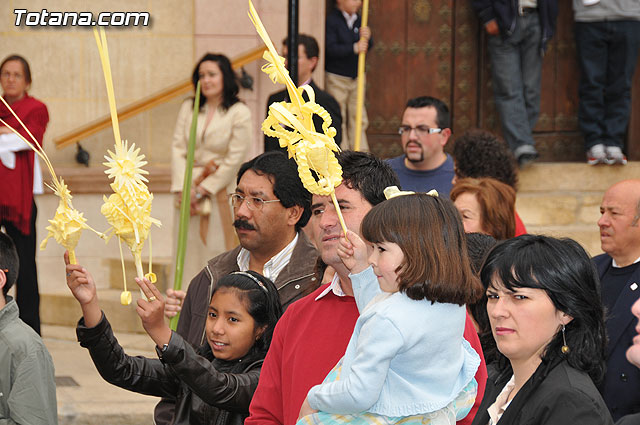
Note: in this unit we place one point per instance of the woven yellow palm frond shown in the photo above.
(292, 123)
(67, 223)
(128, 209)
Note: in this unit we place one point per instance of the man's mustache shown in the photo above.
(243, 224)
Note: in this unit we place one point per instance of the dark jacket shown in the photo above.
(556, 394)
(206, 390)
(629, 420)
(340, 58)
(295, 281)
(323, 99)
(505, 13)
(621, 385)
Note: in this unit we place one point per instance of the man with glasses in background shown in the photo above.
(270, 208)
(424, 133)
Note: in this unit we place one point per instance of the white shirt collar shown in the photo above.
(333, 287)
(274, 266)
(351, 19)
(614, 264)
(500, 405)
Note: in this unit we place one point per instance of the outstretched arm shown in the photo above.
(151, 313)
(83, 288)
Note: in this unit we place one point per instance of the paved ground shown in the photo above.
(84, 398)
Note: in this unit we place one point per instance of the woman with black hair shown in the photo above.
(547, 319)
(212, 384)
(223, 139)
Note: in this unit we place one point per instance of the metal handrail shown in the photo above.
(147, 103)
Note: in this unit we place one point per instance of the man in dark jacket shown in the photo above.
(271, 206)
(619, 270)
(518, 32)
(308, 55)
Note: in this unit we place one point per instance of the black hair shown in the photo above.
(25, 66)
(230, 88)
(367, 174)
(9, 261)
(261, 301)
(563, 269)
(443, 118)
(310, 44)
(478, 246)
(287, 186)
(479, 153)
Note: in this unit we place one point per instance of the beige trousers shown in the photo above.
(345, 91)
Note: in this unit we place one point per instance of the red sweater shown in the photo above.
(17, 184)
(310, 338)
(520, 229)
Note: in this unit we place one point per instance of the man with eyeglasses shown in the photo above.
(270, 208)
(424, 133)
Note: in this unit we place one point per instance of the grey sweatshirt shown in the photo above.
(607, 10)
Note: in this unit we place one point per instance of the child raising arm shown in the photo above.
(213, 383)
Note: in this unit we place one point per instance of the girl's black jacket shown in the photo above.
(206, 390)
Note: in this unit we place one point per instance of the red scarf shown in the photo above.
(16, 186)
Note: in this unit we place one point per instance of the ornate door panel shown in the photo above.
(412, 56)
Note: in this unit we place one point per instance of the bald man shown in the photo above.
(619, 270)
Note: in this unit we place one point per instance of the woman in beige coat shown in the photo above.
(223, 138)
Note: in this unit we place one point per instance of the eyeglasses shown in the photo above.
(421, 130)
(253, 203)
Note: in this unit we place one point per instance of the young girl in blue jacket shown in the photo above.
(407, 361)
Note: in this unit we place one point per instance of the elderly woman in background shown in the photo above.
(486, 206)
(548, 322)
(20, 178)
(223, 138)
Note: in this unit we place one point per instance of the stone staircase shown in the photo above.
(563, 199)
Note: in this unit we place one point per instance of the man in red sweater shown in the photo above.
(314, 332)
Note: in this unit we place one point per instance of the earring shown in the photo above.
(565, 348)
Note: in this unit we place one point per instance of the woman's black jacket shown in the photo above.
(556, 394)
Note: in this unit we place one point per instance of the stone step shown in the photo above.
(62, 309)
(574, 177)
(587, 236)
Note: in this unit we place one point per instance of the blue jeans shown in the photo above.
(607, 52)
(516, 68)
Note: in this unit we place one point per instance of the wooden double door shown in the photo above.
(437, 48)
